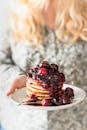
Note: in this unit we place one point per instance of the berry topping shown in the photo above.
(43, 71)
(29, 75)
(33, 98)
(62, 77)
(44, 64)
(69, 92)
(64, 100)
(54, 67)
(47, 102)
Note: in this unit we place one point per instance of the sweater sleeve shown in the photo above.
(8, 70)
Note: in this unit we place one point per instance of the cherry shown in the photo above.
(44, 64)
(33, 98)
(62, 77)
(29, 75)
(47, 102)
(69, 92)
(54, 67)
(64, 100)
(43, 71)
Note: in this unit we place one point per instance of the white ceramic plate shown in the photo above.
(19, 95)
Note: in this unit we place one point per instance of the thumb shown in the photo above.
(19, 82)
(13, 86)
(11, 90)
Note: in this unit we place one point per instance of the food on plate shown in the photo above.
(44, 86)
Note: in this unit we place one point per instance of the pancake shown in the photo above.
(33, 84)
(34, 87)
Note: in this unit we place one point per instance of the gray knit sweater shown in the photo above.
(71, 58)
(17, 58)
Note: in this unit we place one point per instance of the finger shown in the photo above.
(10, 91)
(12, 88)
(16, 84)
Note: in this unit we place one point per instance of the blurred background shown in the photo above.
(4, 17)
(4, 12)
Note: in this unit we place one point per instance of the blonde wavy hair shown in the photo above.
(70, 22)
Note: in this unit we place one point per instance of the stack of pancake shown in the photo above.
(44, 86)
(35, 87)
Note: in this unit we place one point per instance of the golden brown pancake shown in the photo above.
(35, 87)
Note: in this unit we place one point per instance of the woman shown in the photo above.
(52, 30)
(42, 18)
